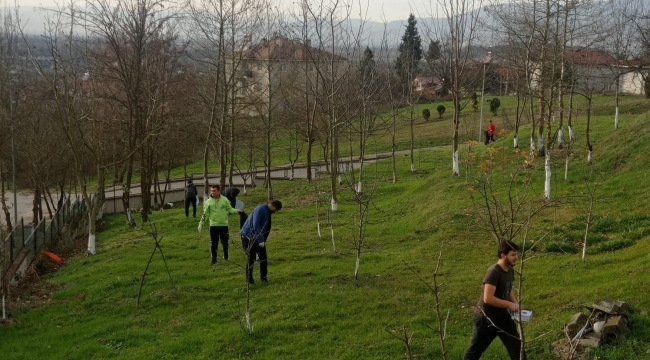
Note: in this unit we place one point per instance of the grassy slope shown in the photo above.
(313, 308)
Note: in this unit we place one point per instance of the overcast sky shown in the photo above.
(391, 10)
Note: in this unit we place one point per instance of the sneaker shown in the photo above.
(265, 280)
(214, 262)
(251, 281)
(225, 257)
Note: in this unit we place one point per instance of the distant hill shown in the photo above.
(33, 19)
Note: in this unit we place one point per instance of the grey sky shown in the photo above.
(391, 10)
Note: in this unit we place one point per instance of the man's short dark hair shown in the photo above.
(506, 246)
(189, 181)
(277, 204)
(215, 187)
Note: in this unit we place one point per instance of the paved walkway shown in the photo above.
(25, 198)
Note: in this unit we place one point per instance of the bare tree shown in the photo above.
(506, 206)
(71, 104)
(134, 56)
(621, 42)
(336, 40)
(407, 66)
(457, 34)
(8, 107)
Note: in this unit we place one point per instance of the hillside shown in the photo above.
(313, 307)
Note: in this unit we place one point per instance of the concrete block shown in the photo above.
(591, 340)
(615, 328)
(577, 322)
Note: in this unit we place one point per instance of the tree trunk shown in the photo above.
(5, 208)
(455, 145)
(94, 208)
(412, 128)
(269, 183)
(126, 186)
(547, 171)
(392, 147)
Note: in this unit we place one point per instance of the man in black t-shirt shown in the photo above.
(491, 315)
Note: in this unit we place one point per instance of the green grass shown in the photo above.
(313, 308)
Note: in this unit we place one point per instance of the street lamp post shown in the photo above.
(486, 60)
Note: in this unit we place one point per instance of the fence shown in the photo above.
(25, 240)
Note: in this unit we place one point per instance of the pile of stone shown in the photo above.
(605, 323)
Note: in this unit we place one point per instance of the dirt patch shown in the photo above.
(31, 291)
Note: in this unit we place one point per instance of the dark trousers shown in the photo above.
(219, 233)
(189, 201)
(488, 137)
(253, 250)
(484, 332)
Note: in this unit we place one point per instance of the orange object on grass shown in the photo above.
(54, 257)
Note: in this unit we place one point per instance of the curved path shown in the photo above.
(25, 198)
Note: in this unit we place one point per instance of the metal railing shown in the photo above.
(26, 237)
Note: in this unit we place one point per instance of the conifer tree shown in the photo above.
(410, 51)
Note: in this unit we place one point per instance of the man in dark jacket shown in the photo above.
(190, 198)
(254, 234)
(231, 194)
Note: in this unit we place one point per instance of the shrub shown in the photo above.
(426, 114)
(494, 105)
(441, 110)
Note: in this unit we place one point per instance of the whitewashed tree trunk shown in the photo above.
(515, 141)
(566, 168)
(333, 242)
(590, 156)
(249, 327)
(540, 141)
(572, 135)
(560, 137)
(412, 167)
(95, 209)
(532, 145)
(584, 244)
(91, 244)
(356, 267)
(547, 170)
(359, 187)
(616, 119)
(320, 235)
(335, 206)
(455, 164)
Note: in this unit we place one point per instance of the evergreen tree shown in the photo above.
(434, 53)
(410, 51)
(367, 66)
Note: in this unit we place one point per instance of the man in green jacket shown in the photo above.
(216, 209)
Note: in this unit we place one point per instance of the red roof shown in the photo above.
(590, 57)
(284, 48)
